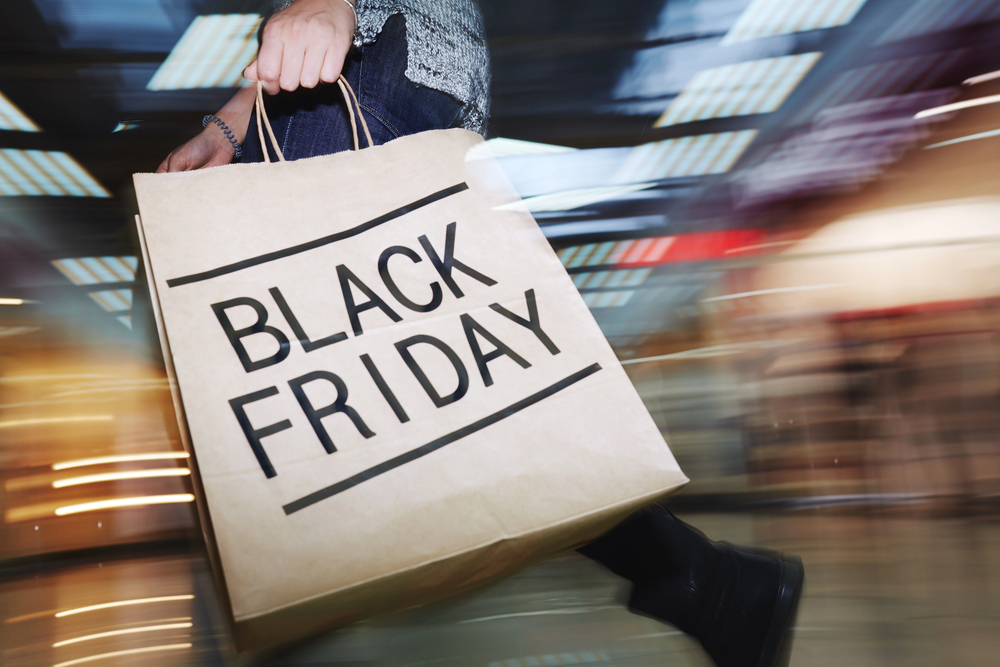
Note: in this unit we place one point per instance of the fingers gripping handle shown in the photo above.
(349, 99)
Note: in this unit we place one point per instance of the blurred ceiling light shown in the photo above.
(776, 290)
(715, 351)
(212, 53)
(122, 603)
(699, 246)
(611, 279)
(12, 118)
(571, 199)
(97, 270)
(926, 16)
(126, 320)
(117, 503)
(898, 77)
(127, 458)
(128, 631)
(697, 155)
(113, 301)
(11, 302)
(956, 106)
(125, 474)
(55, 420)
(608, 299)
(764, 18)
(982, 78)
(34, 173)
(126, 125)
(971, 137)
(503, 147)
(6, 332)
(757, 86)
(115, 654)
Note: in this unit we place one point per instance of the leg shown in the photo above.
(311, 122)
(738, 603)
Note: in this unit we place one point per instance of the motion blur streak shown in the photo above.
(783, 214)
(116, 503)
(116, 654)
(126, 458)
(947, 108)
(982, 78)
(55, 420)
(115, 476)
(122, 603)
(128, 631)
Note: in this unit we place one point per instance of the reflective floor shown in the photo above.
(894, 589)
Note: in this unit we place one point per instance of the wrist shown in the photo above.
(222, 132)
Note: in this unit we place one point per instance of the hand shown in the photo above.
(303, 44)
(211, 148)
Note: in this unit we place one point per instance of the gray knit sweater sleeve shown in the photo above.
(446, 48)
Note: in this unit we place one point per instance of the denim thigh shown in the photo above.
(309, 122)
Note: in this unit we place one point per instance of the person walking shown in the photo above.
(421, 65)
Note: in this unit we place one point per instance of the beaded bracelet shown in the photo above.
(225, 130)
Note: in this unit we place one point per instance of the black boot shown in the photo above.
(739, 603)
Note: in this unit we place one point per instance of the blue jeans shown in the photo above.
(310, 122)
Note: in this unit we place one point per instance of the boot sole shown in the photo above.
(778, 644)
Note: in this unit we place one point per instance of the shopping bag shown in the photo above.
(390, 389)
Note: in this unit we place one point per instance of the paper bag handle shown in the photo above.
(349, 98)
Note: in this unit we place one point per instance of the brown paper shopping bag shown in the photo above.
(390, 388)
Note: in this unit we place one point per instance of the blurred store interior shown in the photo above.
(784, 214)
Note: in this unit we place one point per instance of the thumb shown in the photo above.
(251, 71)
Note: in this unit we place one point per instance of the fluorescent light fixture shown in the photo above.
(122, 603)
(11, 302)
(54, 420)
(12, 118)
(118, 503)
(757, 86)
(212, 53)
(503, 147)
(697, 155)
(971, 137)
(612, 253)
(98, 270)
(118, 476)
(982, 78)
(571, 199)
(127, 458)
(764, 18)
(115, 654)
(33, 173)
(611, 279)
(611, 299)
(127, 631)
(113, 301)
(957, 106)
(126, 320)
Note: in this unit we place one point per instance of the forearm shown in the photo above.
(236, 112)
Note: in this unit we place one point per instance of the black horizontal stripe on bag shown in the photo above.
(318, 243)
(435, 445)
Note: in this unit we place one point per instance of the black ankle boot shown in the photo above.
(739, 603)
